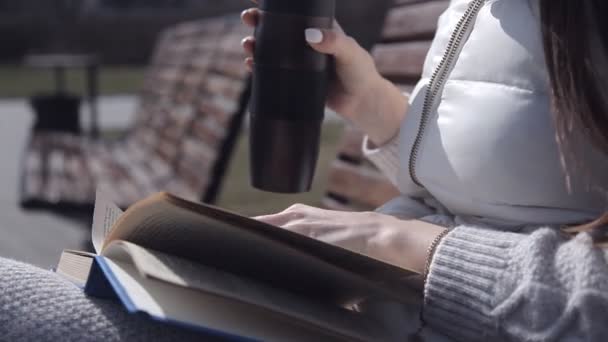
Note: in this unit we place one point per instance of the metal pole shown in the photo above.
(218, 174)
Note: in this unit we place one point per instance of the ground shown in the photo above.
(39, 238)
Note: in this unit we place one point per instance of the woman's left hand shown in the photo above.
(403, 243)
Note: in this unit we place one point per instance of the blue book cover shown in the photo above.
(248, 313)
(103, 283)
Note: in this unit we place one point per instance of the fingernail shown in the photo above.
(314, 36)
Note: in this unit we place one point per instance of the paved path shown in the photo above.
(39, 238)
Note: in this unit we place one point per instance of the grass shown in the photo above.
(238, 195)
(17, 81)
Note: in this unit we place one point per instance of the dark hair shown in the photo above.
(575, 38)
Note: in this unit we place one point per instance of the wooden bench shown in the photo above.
(354, 183)
(190, 109)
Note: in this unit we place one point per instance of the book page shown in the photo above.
(192, 275)
(255, 250)
(105, 216)
(75, 266)
(227, 318)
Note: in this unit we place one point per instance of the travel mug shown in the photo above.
(289, 89)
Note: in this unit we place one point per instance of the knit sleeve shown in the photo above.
(385, 157)
(487, 285)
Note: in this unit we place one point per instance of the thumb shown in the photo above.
(331, 42)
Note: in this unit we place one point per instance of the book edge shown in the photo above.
(126, 301)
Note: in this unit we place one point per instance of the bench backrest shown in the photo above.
(181, 57)
(354, 183)
(191, 106)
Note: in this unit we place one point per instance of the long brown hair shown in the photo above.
(575, 38)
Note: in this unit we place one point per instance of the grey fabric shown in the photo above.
(484, 285)
(488, 285)
(38, 305)
(533, 284)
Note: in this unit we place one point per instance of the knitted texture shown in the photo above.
(38, 305)
(491, 285)
(386, 157)
(487, 285)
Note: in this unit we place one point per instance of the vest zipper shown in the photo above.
(438, 79)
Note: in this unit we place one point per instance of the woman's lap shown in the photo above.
(38, 305)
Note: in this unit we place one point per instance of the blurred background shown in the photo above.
(115, 39)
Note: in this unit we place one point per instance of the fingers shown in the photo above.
(294, 213)
(274, 220)
(249, 64)
(280, 220)
(333, 42)
(248, 44)
(251, 17)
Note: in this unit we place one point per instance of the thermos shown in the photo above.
(289, 89)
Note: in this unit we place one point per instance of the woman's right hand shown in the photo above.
(359, 93)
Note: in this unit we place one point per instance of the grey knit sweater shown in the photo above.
(487, 285)
(38, 306)
(533, 285)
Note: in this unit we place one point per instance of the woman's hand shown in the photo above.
(359, 93)
(398, 242)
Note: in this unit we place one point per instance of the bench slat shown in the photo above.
(397, 3)
(350, 144)
(413, 22)
(215, 109)
(360, 184)
(332, 204)
(401, 63)
(232, 67)
(222, 85)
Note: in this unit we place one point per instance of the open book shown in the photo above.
(205, 268)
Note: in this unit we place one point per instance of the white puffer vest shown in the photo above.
(479, 136)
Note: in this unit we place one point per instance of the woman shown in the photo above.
(476, 159)
(482, 203)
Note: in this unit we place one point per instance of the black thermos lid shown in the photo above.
(290, 82)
